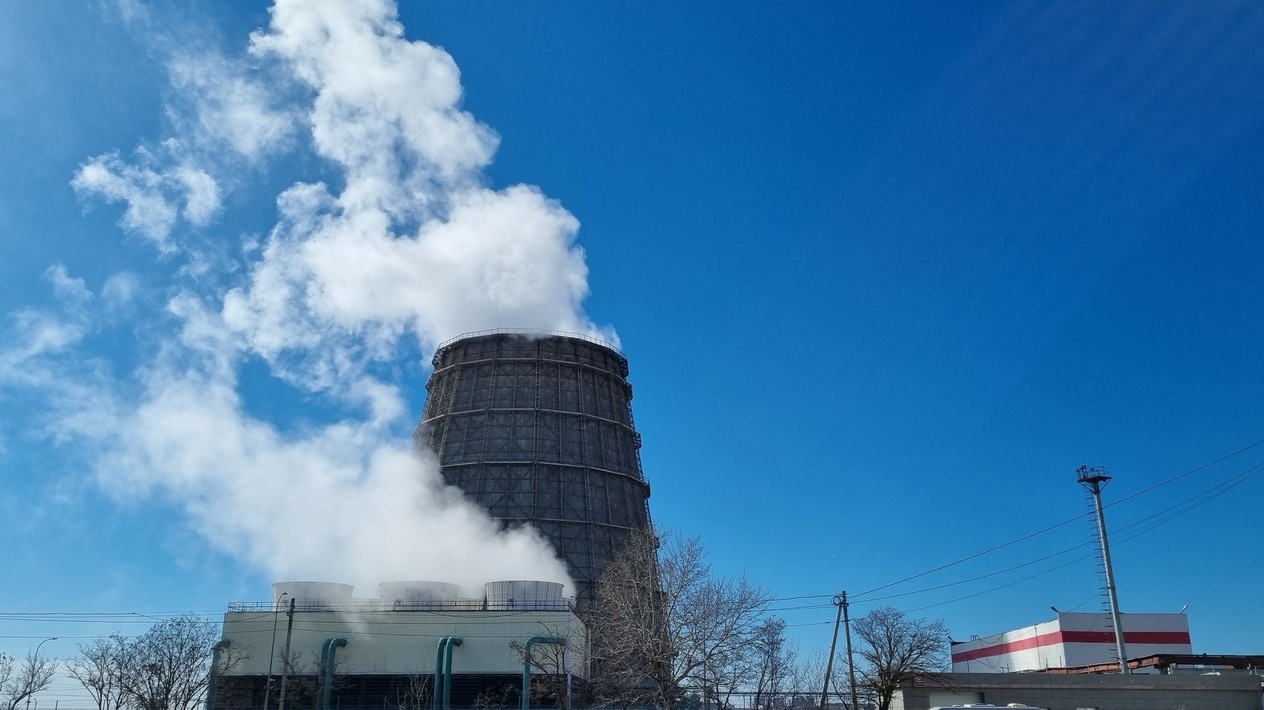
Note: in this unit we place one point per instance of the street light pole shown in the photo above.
(276, 614)
(35, 659)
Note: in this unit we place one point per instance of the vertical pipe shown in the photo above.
(526, 665)
(447, 671)
(327, 653)
(437, 694)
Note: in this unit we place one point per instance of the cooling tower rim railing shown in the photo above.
(533, 333)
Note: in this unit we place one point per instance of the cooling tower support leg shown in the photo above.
(327, 670)
(526, 665)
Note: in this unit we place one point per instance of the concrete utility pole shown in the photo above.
(1094, 479)
(840, 601)
(285, 655)
(851, 664)
(829, 664)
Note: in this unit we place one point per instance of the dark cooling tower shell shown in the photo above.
(538, 429)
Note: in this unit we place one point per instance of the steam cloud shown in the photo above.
(399, 239)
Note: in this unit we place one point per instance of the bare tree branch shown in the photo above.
(166, 668)
(21, 681)
(98, 670)
(895, 649)
(663, 624)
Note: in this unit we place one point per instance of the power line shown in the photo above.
(1206, 495)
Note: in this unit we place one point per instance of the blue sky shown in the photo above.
(885, 275)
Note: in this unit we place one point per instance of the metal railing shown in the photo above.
(368, 606)
(528, 332)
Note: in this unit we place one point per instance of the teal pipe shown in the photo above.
(327, 670)
(526, 665)
(437, 695)
(447, 671)
(214, 673)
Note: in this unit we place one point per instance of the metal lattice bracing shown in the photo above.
(538, 429)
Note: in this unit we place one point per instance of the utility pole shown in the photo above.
(840, 601)
(1094, 479)
(285, 655)
(829, 665)
(851, 664)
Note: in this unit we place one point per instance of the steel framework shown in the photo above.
(538, 430)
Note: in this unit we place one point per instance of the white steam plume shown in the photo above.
(399, 239)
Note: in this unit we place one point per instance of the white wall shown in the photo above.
(401, 642)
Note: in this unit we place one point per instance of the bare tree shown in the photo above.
(98, 670)
(806, 679)
(19, 681)
(414, 693)
(302, 680)
(663, 624)
(773, 661)
(168, 667)
(895, 649)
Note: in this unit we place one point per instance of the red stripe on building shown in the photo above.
(1057, 637)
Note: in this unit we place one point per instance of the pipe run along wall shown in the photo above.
(442, 696)
(327, 652)
(526, 665)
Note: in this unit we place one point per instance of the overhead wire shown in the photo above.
(1176, 510)
(1171, 512)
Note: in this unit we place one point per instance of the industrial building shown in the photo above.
(535, 428)
(1072, 663)
(1072, 639)
(416, 645)
(1193, 690)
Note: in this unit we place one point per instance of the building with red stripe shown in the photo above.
(1072, 640)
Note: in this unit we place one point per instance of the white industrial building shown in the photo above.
(417, 644)
(1071, 640)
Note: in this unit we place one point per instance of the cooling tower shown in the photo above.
(538, 430)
